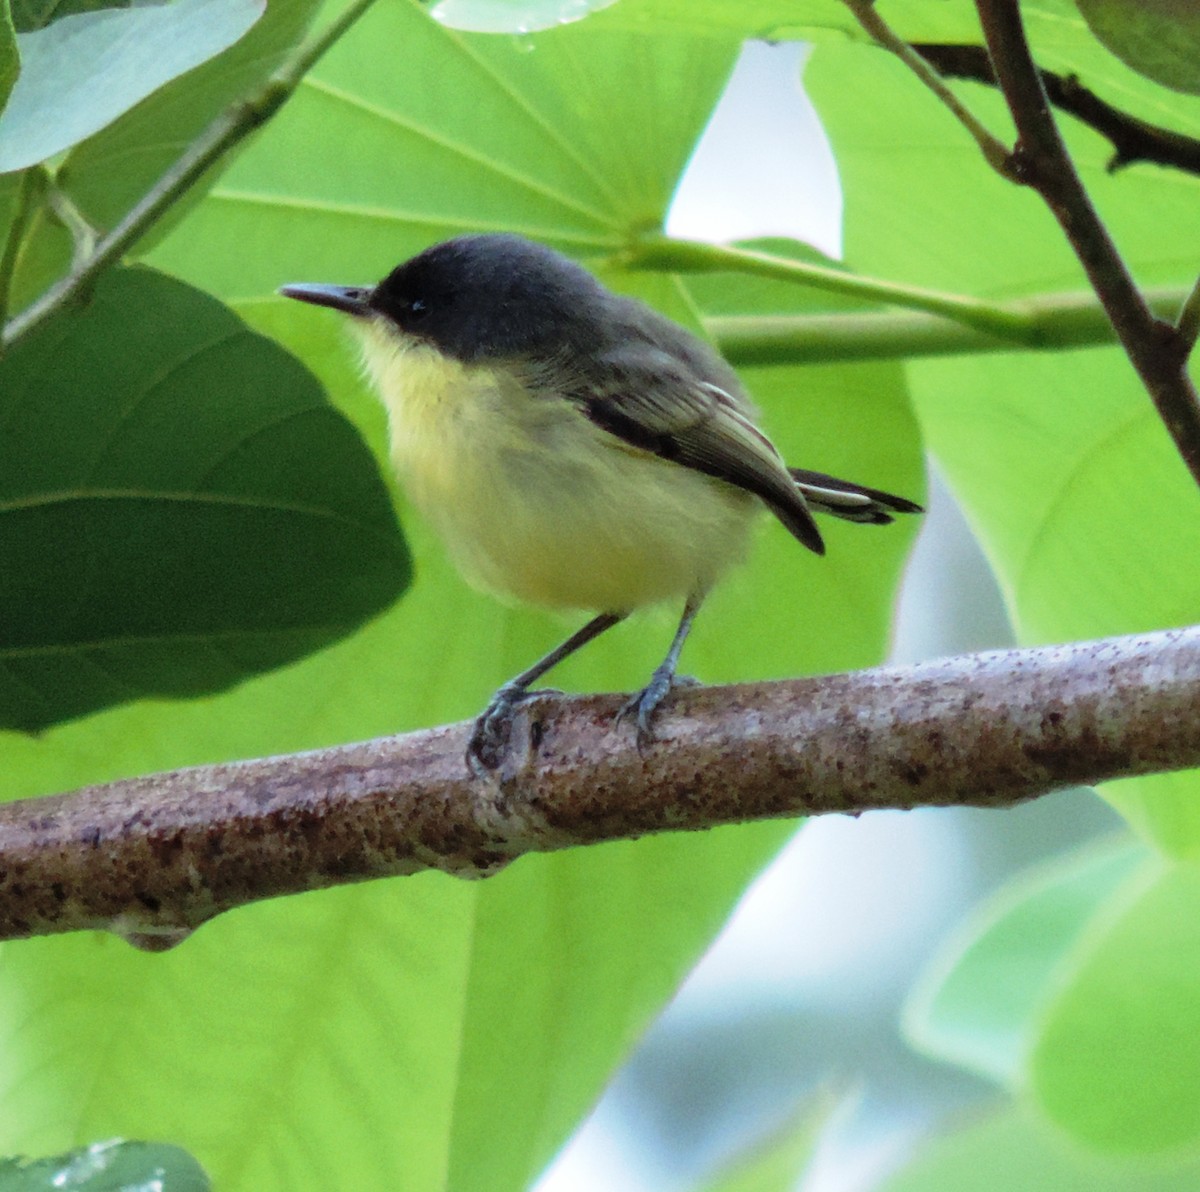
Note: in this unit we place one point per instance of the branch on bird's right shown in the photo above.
(1132, 140)
(1157, 349)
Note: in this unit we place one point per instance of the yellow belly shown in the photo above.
(537, 503)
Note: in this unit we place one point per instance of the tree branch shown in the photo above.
(1155, 348)
(153, 858)
(1133, 140)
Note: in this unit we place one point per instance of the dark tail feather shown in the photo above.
(853, 502)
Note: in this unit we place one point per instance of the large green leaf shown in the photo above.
(778, 20)
(369, 163)
(108, 172)
(511, 16)
(37, 14)
(84, 71)
(112, 1166)
(777, 1162)
(179, 506)
(111, 171)
(979, 1002)
(1013, 1149)
(1158, 38)
(426, 1033)
(1118, 1059)
(1077, 495)
(367, 1037)
(1087, 515)
(10, 61)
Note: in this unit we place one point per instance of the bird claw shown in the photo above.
(643, 706)
(493, 729)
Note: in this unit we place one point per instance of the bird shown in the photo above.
(574, 448)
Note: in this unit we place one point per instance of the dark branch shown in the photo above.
(153, 858)
(1155, 348)
(1133, 140)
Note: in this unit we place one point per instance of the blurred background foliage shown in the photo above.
(186, 509)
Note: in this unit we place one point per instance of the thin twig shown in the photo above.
(996, 152)
(1154, 346)
(153, 858)
(1133, 140)
(223, 134)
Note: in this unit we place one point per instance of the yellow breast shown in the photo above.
(537, 503)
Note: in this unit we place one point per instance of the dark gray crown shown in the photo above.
(493, 296)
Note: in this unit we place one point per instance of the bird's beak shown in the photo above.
(350, 299)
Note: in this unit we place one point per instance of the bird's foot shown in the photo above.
(643, 706)
(493, 728)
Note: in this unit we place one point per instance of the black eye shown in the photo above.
(418, 309)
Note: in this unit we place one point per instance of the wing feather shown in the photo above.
(653, 400)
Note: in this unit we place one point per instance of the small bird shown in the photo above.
(574, 448)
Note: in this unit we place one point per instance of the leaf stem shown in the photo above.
(83, 235)
(223, 134)
(33, 181)
(1054, 322)
(690, 256)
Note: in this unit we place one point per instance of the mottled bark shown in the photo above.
(152, 858)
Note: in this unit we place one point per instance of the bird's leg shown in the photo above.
(490, 735)
(643, 705)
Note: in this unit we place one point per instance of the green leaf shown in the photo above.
(1086, 513)
(1118, 1059)
(84, 71)
(36, 14)
(1157, 38)
(979, 1000)
(776, 1163)
(111, 171)
(1014, 1149)
(116, 1166)
(387, 1025)
(1065, 472)
(569, 154)
(179, 508)
(781, 20)
(511, 16)
(591, 964)
(426, 1033)
(10, 58)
